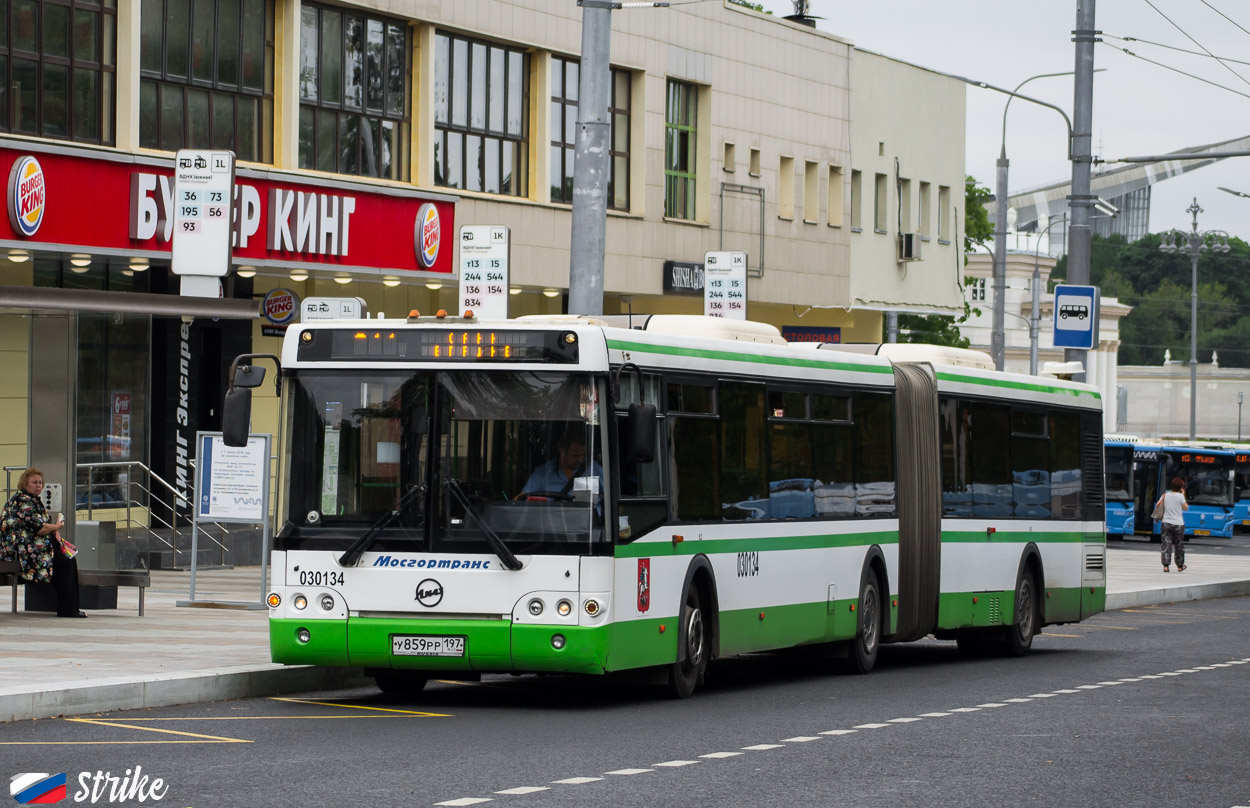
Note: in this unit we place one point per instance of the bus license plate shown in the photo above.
(1202, 533)
(427, 645)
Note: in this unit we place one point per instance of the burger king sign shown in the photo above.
(27, 196)
(279, 306)
(427, 235)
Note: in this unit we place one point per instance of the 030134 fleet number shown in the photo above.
(319, 578)
(748, 564)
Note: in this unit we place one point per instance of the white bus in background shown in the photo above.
(724, 492)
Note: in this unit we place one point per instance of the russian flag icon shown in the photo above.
(34, 788)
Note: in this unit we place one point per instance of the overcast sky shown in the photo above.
(1139, 108)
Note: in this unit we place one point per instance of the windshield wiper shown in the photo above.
(497, 544)
(371, 535)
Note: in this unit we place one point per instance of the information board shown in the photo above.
(1076, 316)
(333, 308)
(484, 270)
(231, 482)
(203, 203)
(725, 284)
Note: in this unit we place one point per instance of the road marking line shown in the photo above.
(1052, 634)
(838, 732)
(118, 725)
(992, 704)
(934, 715)
(1016, 701)
(1119, 628)
(676, 763)
(627, 772)
(105, 743)
(577, 781)
(360, 707)
(1067, 691)
(466, 801)
(720, 755)
(1110, 684)
(1187, 670)
(965, 709)
(800, 739)
(1221, 664)
(1088, 687)
(871, 726)
(904, 720)
(1150, 676)
(1042, 696)
(524, 790)
(763, 747)
(1169, 673)
(1205, 668)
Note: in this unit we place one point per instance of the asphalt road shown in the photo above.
(1142, 707)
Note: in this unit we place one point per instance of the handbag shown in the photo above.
(1157, 513)
(68, 550)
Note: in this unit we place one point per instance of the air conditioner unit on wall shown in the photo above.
(908, 246)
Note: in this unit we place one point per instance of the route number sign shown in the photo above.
(203, 205)
(484, 270)
(725, 284)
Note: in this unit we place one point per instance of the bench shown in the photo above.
(137, 578)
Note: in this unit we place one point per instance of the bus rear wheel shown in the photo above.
(861, 657)
(687, 672)
(399, 683)
(1019, 637)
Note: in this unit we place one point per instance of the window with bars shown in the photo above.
(206, 76)
(680, 134)
(481, 115)
(565, 76)
(58, 61)
(353, 87)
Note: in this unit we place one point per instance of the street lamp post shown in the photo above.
(1194, 243)
(1240, 395)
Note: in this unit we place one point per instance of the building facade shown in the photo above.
(367, 133)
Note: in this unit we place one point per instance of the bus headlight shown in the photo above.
(327, 603)
(300, 602)
(592, 607)
(564, 607)
(536, 607)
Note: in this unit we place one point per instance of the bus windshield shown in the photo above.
(452, 454)
(1119, 473)
(1207, 481)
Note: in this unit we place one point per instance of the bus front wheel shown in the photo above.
(687, 672)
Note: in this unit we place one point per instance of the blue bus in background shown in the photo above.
(1208, 473)
(1241, 489)
(1118, 483)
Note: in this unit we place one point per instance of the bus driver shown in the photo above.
(556, 475)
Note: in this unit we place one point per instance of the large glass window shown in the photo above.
(58, 68)
(481, 116)
(564, 95)
(206, 76)
(353, 89)
(681, 125)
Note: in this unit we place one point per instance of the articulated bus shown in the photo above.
(1208, 474)
(1121, 510)
(648, 494)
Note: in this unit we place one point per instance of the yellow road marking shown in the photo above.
(104, 743)
(1048, 634)
(361, 707)
(120, 725)
(254, 717)
(1121, 628)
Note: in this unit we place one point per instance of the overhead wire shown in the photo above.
(1176, 70)
(1222, 14)
(1196, 42)
(1173, 47)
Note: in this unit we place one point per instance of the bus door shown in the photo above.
(1146, 472)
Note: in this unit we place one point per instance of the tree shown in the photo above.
(941, 329)
(750, 5)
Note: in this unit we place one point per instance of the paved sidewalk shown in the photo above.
(116, 660)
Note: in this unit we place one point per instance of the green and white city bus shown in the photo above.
(571, 495)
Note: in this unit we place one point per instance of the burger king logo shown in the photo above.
(427, 235)
(27, 196)
(279, 306)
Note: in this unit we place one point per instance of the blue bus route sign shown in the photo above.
(1076, 316)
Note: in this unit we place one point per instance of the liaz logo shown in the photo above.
(427, 235)
(27, 196)
(35, 788)
(429, 593)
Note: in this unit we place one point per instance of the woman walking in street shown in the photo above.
(1174, 507)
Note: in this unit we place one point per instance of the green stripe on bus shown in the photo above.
(694, 546)
(1008, 536)
(729, 356)
(1031, 387)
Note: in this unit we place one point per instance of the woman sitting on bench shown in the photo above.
(26, 536)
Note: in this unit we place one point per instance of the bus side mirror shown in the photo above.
(236, 416)
(248, 376)
(639, 444)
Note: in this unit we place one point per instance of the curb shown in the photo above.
(1176, 594)
(109, 695)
